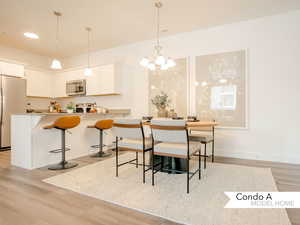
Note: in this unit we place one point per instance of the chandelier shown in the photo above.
(158, 61)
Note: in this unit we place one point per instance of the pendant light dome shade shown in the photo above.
(88, 72)
(56, 65)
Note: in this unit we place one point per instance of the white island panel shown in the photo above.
(31, 144)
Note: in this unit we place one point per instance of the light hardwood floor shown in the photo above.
(26, 200)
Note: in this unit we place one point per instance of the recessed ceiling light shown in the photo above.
(31, 35)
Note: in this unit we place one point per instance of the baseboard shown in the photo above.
(291, 159)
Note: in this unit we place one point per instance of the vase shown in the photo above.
(162, 112)
(70, 110)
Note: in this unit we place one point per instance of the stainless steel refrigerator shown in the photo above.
(12, 101)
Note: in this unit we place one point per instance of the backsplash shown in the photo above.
(106, 101)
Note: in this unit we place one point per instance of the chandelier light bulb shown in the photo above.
(144, 62)
(88, 72)
(56, 65)
(164, 67)
(160, 60)
(171, 63)
(151, 66)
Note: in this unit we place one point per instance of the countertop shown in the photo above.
(110, 112)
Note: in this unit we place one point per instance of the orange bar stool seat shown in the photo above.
(63, 123)
(101, 125)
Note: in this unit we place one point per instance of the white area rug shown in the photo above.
(168, 199)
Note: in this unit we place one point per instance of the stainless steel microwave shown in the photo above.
(76, 87)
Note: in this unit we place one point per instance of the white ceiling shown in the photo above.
(118, 22)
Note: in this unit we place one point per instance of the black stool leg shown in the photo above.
(205, 156)
(63, 164)
(101, 153)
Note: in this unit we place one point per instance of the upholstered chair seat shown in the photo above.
(201, 137)
(136, 144)
(176, 149)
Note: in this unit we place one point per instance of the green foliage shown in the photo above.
(161, 101)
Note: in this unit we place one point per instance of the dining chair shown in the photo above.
(130, 137)
(204, 135)
(172, 140)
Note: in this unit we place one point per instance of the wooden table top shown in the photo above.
(195, 124)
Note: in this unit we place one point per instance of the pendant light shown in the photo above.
(56, 65)
(158, 61)
(88, 70)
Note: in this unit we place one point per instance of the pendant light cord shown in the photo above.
(158, 25)
(89, 48)
(57, 30)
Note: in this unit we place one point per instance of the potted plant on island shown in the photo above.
(161, 102)
(70, 107)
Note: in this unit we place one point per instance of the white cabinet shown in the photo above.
(46, 84)
(38, 83)
(59, 85)
(102, 81)
(10, 69)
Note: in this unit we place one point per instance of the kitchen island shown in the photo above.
(31, 144)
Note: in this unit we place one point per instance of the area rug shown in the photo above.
(168, 199)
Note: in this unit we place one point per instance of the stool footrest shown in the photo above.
(97, 146)
(59, 150)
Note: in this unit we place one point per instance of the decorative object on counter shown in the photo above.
(192, 119)
(161, 102)
(71, 107)
(172, 113)
(56, 65)
(88, 71)
(28, 108)
(54, 107)
(101, 109)
(147, 118)
(177, 118)
(158, 61)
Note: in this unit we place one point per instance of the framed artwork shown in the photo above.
(174, 83)
(221, 88)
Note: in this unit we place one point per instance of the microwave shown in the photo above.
(76, 87)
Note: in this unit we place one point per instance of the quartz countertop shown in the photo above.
(109, 112)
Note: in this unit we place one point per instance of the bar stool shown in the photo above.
(101, 125)
(63, 123)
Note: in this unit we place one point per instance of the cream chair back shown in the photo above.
(128, 128)
(169, 131)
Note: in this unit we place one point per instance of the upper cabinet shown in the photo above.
(10, 69)
(38, 83)
(102, 81)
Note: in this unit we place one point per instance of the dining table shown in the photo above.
(173, 165)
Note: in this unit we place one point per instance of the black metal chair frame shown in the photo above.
(212, 147)
(144, 150)
(188, 173)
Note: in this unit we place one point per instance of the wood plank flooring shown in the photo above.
(26, 200)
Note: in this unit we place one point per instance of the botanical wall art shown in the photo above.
(173, 83)
(221, 88)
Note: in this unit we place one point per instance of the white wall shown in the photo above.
(27, 59)
(274, 77)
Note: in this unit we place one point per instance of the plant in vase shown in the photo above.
(161, 102)
(70, 107)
